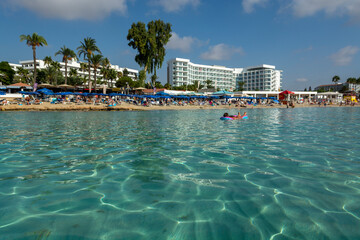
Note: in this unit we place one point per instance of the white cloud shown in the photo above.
(72, 9)
(344, 56)
(183, 44)
(249, 5)
(176, 5)
(302, 80)
(221, 52)
(304, 8)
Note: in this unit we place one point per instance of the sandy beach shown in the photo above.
(130, 107)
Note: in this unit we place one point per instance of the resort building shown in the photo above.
(339, 87)
(264, 77)
(259, 78)
(330, 87)
(14, 66)
(183, 72)
(40, 64)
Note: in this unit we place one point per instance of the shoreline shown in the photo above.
(129, 107)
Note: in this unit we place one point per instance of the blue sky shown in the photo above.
(310, 40)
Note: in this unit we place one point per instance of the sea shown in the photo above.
(280, 174)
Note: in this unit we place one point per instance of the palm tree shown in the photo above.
(48, 60)
(83, 67)
(49, 74)
(208, 84)
(23, 73)
(335, 79)
(105, 70)
(87, 49)
(96, 61)
(112, 76)
(34, 41)
(119, 74)
(56, 68)
(73, 72)
(68, 54)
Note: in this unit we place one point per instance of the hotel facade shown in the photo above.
(182, 71)
(259, 78)
(40, 64)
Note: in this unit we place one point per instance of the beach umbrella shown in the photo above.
(44, 90)
(287, 92)
(29, 93)
(285, 95)
(162, 94)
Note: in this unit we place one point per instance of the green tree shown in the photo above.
(167, 86)
(124, 81)
(67, 54)
(23, 74)
(209, 84)
(125, 72)
(56, 69)
(335, 79)
(158, 85)
(305, 90)
(6, 73)
(48, 60)
(74, 79)
(241, 86)
(87, 49)
(41, 76)
(105, 70)
(96, 61)
(142, 77)
(153, 80)
(150, 43)
(112, 76)
(83, 66)
(105, 73)
(310, 89)
(34, 41)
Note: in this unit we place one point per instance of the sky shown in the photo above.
(310, 40)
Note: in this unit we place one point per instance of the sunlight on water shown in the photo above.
(281, 174)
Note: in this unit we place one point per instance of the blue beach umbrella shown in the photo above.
(162, 94)
(29, 93)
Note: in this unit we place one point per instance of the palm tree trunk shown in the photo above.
(89, 77)
(34, 55)
(94, 79)
(66, 72)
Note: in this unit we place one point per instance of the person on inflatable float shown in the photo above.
(239, 116)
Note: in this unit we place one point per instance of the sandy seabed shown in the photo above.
(130, 107)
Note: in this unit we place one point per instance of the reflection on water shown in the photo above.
(281, 174)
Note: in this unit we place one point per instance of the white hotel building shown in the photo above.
(263, 78)
(40, 64)
(259, 78)
(183, 72)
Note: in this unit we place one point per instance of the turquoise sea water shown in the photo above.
(281, 174)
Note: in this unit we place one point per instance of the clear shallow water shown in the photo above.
(281, 174)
